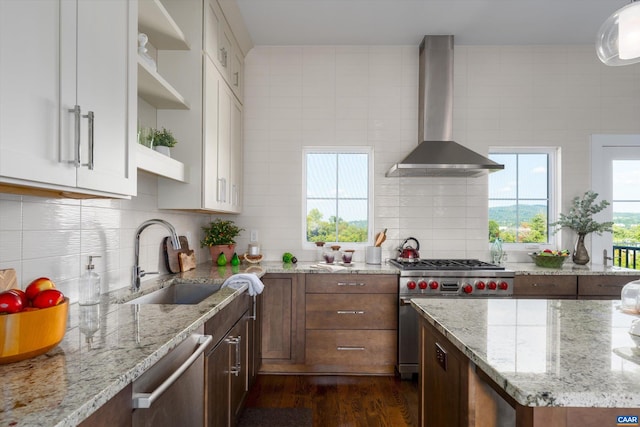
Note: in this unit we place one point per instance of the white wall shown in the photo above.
(340, 95)
(54, 237)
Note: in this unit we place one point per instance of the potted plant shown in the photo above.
(163, 140)
(220, 236)
(580, 219)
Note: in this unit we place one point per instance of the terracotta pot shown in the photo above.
(228, 251)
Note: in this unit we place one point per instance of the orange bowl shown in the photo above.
(31, 333)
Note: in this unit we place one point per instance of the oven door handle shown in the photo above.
(405, 301)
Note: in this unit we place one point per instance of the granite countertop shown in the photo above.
(575, 353)
(109, 345)
(105, 348)
(570, 268)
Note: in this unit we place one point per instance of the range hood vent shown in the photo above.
(437, 154)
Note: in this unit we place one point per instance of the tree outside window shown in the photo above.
(337, 195)
(520, 199)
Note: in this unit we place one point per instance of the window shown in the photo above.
(522, 196)
(337, 195)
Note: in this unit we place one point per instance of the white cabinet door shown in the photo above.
(217, 38)
(211, 186)
(105, 80)
(54, 56)
(236, 157)
(225, 103)
(30, 115)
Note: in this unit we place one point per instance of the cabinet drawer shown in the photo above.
(350, 348)
(610, 286)
(352, 283)
(545, 285)
(344, 311)
(219, 324)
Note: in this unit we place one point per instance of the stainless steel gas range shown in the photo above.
(441, 278)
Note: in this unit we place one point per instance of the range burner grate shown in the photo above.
(445, 264)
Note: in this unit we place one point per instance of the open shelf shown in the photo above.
(154, 89)
(159, 164)
(163, 32)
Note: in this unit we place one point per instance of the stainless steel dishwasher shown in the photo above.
(171, 392)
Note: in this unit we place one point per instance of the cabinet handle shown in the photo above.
(222, 190)
(609, 285)
(145, 400)
(234, 195)
(254, 315)
(350, 312)
(551, 285)
(237, 366)
(351, 284)
(346, 348)
(223, 57)
(76, 135)
(90, 116)
(236, 76)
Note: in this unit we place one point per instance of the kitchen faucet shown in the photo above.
(137, 271)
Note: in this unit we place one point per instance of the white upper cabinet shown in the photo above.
(67, 103)
(222, 48)
(210, 133)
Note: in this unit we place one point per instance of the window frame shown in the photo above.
(370, 190)
(553, 189)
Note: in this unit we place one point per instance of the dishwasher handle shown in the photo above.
(145, 400)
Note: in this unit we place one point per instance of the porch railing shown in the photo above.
(626, 256)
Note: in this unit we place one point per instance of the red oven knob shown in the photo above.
(492, 285)
(411, 284)
(433, 284)
(467, 288)
(480, 285)
(422, 284)
(504, 286)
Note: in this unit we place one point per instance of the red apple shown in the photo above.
(38, 285)
(22, 295)
(10, 302)
(48, 298)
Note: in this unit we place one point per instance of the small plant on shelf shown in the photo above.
(164, 138)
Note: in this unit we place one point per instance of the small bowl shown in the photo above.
(548, 261)
(31, 333)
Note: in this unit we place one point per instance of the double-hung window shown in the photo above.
(337, 195)
(522, 197)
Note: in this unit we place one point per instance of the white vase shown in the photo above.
(163, 150)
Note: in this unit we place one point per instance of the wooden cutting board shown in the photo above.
(187, 260)
(171, 256)
(8, 279)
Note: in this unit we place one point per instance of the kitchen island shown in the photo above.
(526, 362)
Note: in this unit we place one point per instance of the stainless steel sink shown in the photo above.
(178, 293)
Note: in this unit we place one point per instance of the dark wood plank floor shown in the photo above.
(341, 401)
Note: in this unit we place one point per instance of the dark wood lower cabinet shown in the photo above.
(229, 364)
(442, 381)
(602, 286)
(115, 413)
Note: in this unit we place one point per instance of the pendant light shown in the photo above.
(618, 41)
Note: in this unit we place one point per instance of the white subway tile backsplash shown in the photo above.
(10, 248)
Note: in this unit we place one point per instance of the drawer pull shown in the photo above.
(350, 284)
(609, 285)
(551, 285)
(350, 311)
(341, 348)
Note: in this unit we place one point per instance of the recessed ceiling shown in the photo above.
(404, 22)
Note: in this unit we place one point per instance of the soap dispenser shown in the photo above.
(89, 285)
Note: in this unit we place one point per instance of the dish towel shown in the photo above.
(237, 280)
(327, 267)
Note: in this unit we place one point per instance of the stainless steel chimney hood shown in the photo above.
(437, 154)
